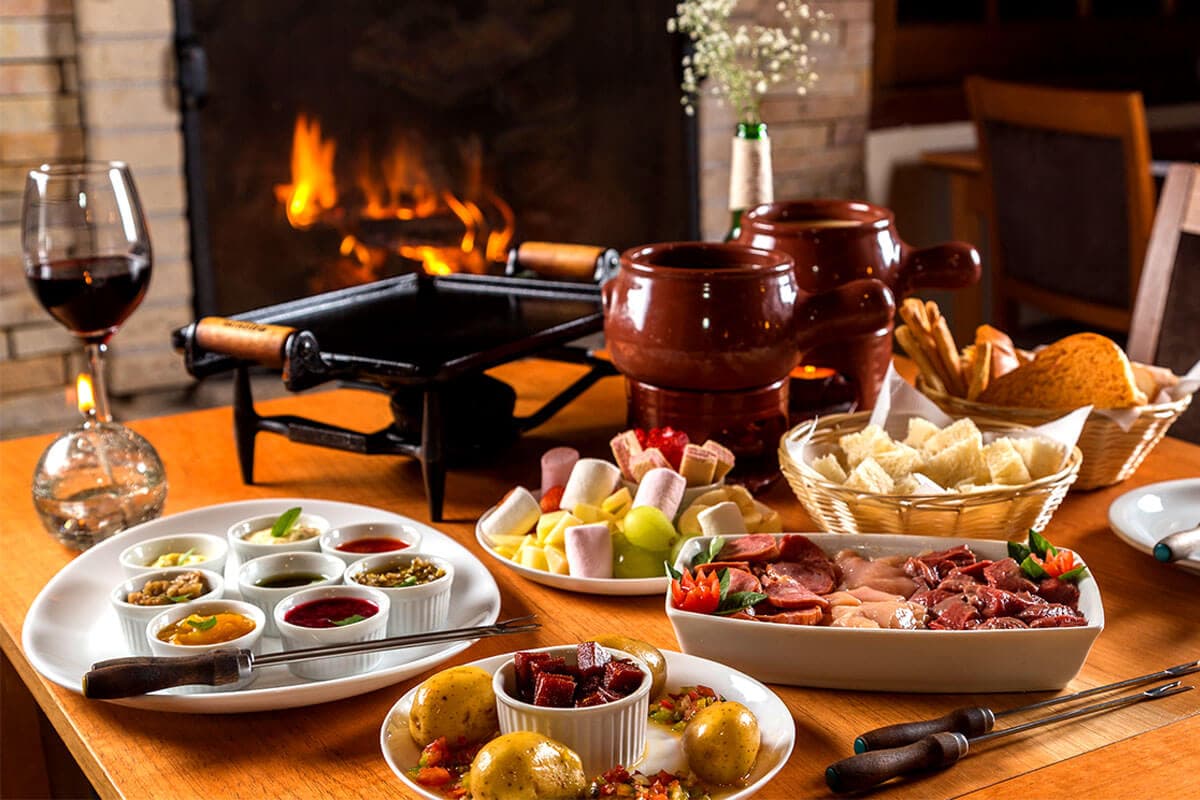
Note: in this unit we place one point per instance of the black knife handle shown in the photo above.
(126, 677)
(971, 721)
(872, 768)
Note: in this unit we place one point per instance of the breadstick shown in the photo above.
(947, 351)
(981, 370)
(908, 342)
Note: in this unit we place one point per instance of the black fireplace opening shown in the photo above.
(332, 144)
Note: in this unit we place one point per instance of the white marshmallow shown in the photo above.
(663, 489)
(589, 550)
(723, 519)
(557, 464)
(591, 481)
(515, 516)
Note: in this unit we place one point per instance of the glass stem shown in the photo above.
(95, 355)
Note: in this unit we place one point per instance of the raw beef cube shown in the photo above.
(1056, 591)
(621, 677)
(920, 572)
(999, 623)
(1059, 621)
(553, 690)
(958, 616)
(591, 658)
(1006, 574)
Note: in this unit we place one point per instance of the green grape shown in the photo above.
(678, 546)
(634, 562)
(648, 528)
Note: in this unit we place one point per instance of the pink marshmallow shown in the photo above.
(663, 489)
(589, 550)
(557, 464)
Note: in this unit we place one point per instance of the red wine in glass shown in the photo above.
(91, 296)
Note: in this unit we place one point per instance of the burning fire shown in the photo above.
(402, 208)
(84, 397)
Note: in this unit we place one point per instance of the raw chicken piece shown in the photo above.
(844, 617)
(866, 594)
(885, 574)
(842, 599)
(899, 614)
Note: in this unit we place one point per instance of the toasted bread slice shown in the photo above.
(1084, 369)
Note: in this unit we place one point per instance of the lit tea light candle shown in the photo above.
(809, 372)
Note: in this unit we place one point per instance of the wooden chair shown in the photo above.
(1070, 199)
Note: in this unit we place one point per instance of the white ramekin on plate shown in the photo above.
(249, 641)
(266, 597)
(297, 637)
(334, 538)
(135, 559)
(415, 609)
(603, 736)
(248, 550)
(133, 618)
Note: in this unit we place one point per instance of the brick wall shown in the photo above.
(89, 79)
(817, 141)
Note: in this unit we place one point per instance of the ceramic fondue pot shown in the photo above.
(834, 242)
(725, 317)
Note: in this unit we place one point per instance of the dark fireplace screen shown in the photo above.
(338, 143)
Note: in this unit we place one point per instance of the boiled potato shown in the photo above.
(457, 702)
(721, 743)
(648, 654)
(526, 766)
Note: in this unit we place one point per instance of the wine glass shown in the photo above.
(87, 254)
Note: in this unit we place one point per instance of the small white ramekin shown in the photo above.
(249, 641)
(265, 597)
(603, 736)
(415, 609)
(133, 618)
(332, 539)
(135, 559)
(297, 637)
(248, 550)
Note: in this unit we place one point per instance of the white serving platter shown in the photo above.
(1144, 516)
(71, 624)
(663, 748)
(931, 661)
(628, 587)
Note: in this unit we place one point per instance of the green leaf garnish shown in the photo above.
(723, 581)
(1033, 569)
(714, 549)
(1018, 552)
(181, 598)
(672, 573)
(1040, 544)
(184, 556)
(411, 580)
(739, 601)
(285, 522)
(1075, 575)
(202, 624)
(350, 620)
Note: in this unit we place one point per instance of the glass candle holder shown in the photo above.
(96, 480)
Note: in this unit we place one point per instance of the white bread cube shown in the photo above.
(864, 444)
(917, 483)
(961, 461)
(962, 430)
(1042, 457)
(899, 460)
(1004, 463)
(919, 430)
(868, 476)
(830, 468)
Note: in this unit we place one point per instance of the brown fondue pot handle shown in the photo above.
(249, 341)
(951, 265)
(852, 309)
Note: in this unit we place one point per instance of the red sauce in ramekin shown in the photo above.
(328, 612)
(373, 544)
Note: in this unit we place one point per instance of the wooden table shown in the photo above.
(332, 750)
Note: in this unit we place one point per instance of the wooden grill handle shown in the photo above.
(249, 341)
(554, 260)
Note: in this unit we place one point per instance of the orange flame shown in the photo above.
(313, 189)
(84, 397)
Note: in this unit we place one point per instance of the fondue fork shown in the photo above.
(126, 677)
(1179, 545)
(976, 720)
(872, 768)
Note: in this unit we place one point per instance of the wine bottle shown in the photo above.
(750, 181)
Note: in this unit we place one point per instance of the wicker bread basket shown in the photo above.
(1008, 512)
(1110, 455)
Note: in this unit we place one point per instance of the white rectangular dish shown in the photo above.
(893, 660)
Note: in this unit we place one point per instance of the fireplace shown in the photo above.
(361, 140)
